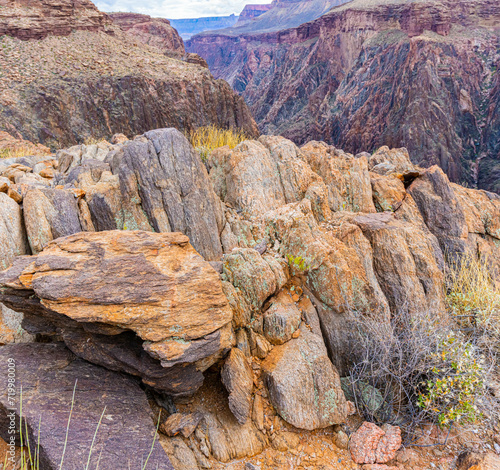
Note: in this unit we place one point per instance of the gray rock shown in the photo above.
(237, 377)
(12, 238)
(48, 374)
(303, 385)
(167, 175)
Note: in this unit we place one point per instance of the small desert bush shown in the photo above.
(207, 139)
(420, 372)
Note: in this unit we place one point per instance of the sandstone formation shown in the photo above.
(91, 83)
(48, 374)
(156, 32)
(368, 74)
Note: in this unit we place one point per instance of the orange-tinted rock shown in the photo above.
(371, 444)
(103, 288)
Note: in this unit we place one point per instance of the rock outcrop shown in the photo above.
(368, 74)
(250, 310)
(112, 403)
(91, 83)
(140, 302)
(49, 17)
(156, 32)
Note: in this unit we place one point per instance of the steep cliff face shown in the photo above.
(417, 74)
(63, 90)
(252, 11)
(46, 17)
(155, 32)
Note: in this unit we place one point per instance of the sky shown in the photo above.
(177, 8)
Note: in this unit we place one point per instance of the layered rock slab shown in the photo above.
(48, 374)
(140, 302)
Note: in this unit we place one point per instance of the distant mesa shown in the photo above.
(189, 27)
(252, 11)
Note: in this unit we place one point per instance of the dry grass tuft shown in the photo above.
(21, 151)
(473, 294)
(207, 139)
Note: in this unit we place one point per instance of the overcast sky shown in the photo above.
(177, 8)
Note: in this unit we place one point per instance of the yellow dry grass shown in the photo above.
(474, 293)
(18, 152)
(206, 139)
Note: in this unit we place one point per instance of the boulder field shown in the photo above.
(221, 290)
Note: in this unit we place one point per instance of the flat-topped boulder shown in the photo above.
(149, 295)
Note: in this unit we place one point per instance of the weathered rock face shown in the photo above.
(12, 237)
(100, 84)
(48, 374)
(49, 17)
(156, 32)
(366, 75)
(166, 175)
(252, 11)
(303, 385)
(124, 283)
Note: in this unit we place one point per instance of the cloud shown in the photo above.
(176, 8)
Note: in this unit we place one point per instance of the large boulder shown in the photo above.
(64, 394)
(164, 176)
(12, 237)
(304, 386)
(141, 302)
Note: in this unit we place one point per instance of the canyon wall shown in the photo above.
(93, 79)
(419, 74)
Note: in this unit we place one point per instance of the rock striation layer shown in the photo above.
(49, 17)
(155, 32)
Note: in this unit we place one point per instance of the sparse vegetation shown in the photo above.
(473, 295)
(432, 368)
(17, 152)
(207, 139)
